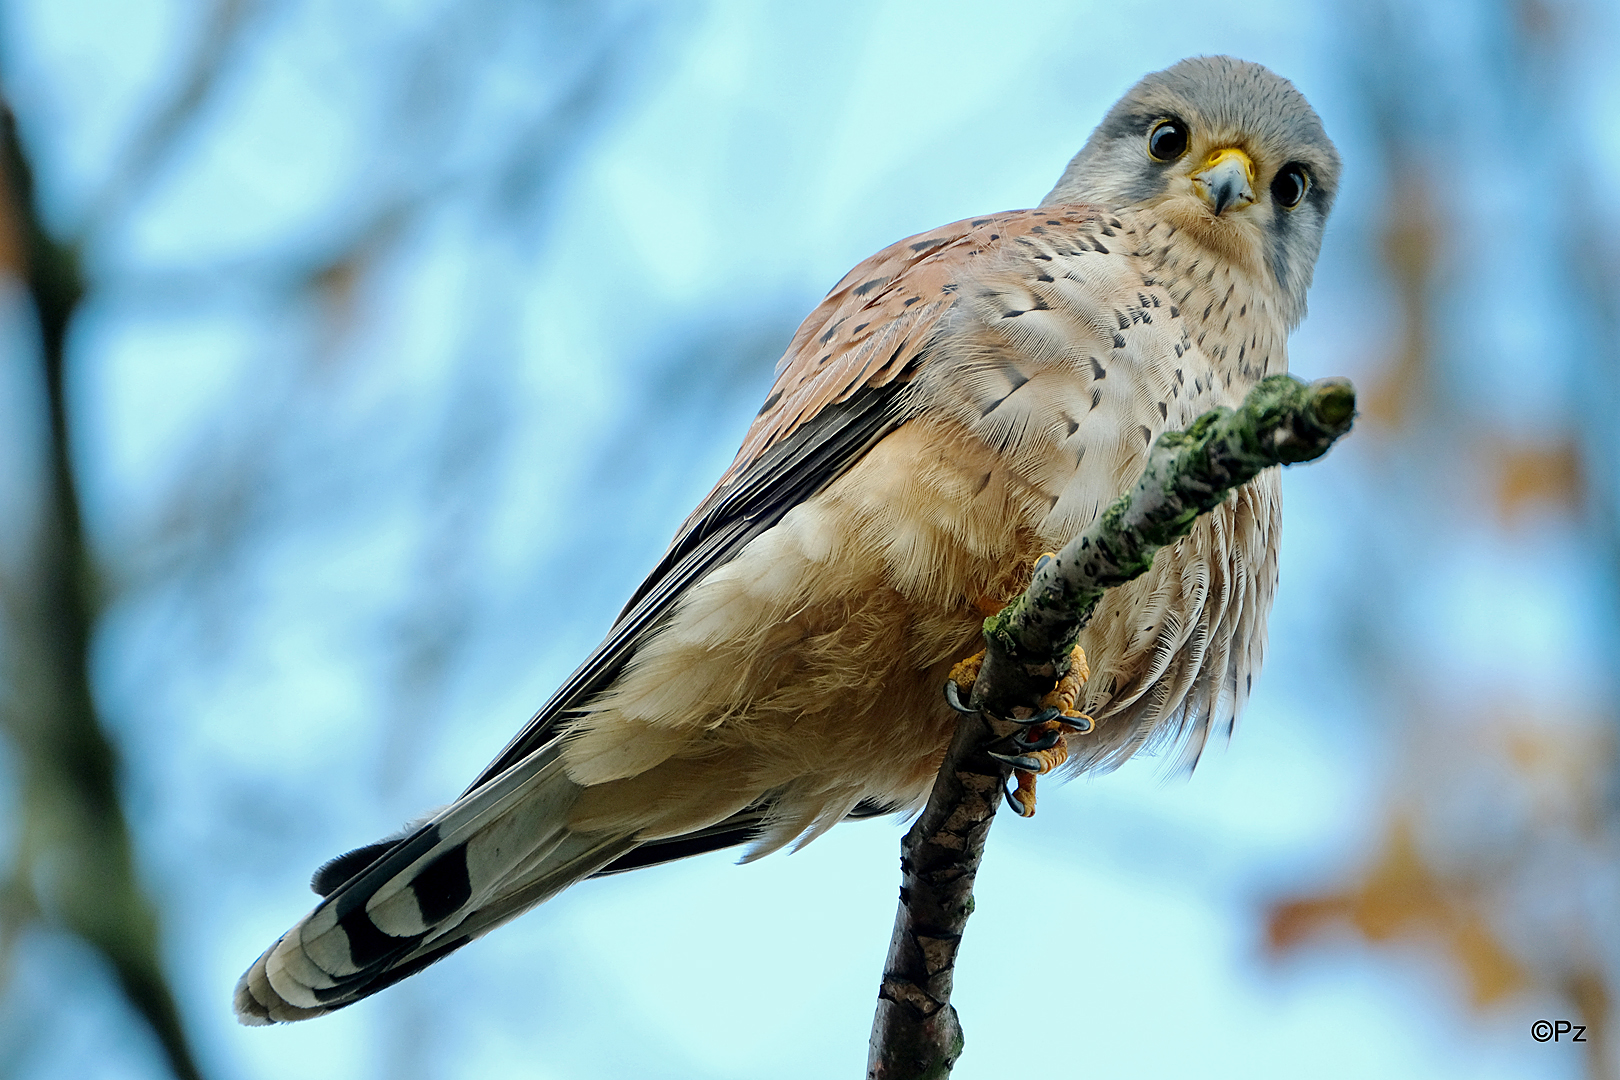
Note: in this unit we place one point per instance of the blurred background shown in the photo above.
(358, 358)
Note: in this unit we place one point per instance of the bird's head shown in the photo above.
(1226, 151)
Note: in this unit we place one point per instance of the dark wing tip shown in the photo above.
(871, 808)
(335, 872)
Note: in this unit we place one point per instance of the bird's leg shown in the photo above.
(1037, 746)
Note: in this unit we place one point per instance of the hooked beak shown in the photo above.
(1226, 180)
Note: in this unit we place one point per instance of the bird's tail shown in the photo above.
(395, 907)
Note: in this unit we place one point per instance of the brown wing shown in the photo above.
(871, 329)
(836, 394)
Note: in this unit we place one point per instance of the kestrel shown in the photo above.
(959, 403)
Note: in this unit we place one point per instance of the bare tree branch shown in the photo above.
(916, 1034)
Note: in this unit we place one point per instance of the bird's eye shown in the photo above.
(1167, 141)
(1290, 186)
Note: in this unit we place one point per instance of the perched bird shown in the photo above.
(959, 403)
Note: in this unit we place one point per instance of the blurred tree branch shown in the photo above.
(74, 849)
(76, 864)
(250, 479)
(153, 143)
(72, 823)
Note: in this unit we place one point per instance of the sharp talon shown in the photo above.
(1014, 797)
(953, 697)
(1079, 723)
(1037, 749)
(962, 677)
(1051, 712)
(1019, 761)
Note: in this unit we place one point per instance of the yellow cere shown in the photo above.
(1221, 155)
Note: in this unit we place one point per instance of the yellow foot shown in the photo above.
(1037, 748)
(1022, 797)
(1068, 722)
(966, 673)
(1062, 696)
(1067, 691)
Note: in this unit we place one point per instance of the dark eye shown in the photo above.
(1290, 186)
(1167, 141)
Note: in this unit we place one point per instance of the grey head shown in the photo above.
(1227, 151)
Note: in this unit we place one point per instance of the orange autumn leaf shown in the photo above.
(1532, 475)
(1402, 897)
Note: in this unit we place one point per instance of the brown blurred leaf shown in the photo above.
(1535, 476)
(1411, 251)
(1402, 897)
(1537, 22)
(337, 285)
(1589, 990)
(1493, 974)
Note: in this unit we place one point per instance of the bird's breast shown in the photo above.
(1067, 362)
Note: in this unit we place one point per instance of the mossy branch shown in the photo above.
(916, 1034)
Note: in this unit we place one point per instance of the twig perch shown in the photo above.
(916, 1034)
